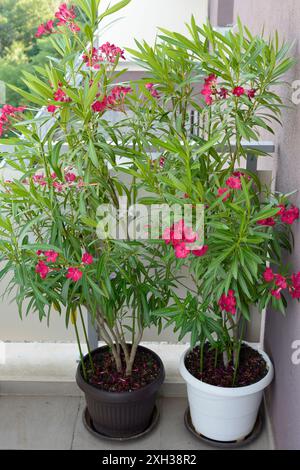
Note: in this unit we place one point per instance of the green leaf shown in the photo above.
(92, 154)
(28, 96)
(114, 8)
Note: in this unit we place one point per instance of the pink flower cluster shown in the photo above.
(51, 256)
(8, 112)
(116, 98)
(60, 96)
(45, 29)
(70, 179)
(179, 235)
(287, 216)
(105, 53)
(281, 283)
(211, 92)
(227, 303)
(233, 182)
(152, 90)
(63, 17)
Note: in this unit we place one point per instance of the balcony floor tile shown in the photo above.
(56, 423)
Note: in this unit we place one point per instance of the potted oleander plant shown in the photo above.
(62, 163)
(211, 94)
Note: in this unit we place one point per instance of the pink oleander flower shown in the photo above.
(227, 303)
(223, 93)
(234, 182)
(75, 274)
(73, 27)
(110, 52)
(208, 100)
(70, 177)
(118, 94)
(152, 90)
(182, 233)
(162, 162)
(238, 91)
(51, 256)
(209, 88)
(211, 80)
(45, 29)
(251, 93)
(222, 191)
(42, 269)
(100, 106)
(52, 108)
(64, 14)
(268, 275)
(281, 208)
(87, 258)
(295, 287)
(9, 110)
(276, 293)
(91, 59)
(280, 281)
(179, 235)
(289, 216)
(39, 179)
(66, 17)
(201, 252)
(181, 251)
(61, 96)
(240, 174)
(207, 93)
(58, 186)
(168, 235)
(189, 235)
(269, 222)
(6, 113)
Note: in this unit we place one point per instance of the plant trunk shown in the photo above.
(130, 362)
(225, 359)
(115, 347)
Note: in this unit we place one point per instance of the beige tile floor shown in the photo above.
(55, 423)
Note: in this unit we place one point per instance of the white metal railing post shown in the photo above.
(93, 336)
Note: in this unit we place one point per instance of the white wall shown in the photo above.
(141, 18)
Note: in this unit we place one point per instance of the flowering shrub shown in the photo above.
(7, 113)
(246, 227)
(49, 213)
(62, 159)
(107, 52)
(63, 17)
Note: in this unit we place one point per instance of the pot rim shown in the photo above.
(91, 389)
(228, 391)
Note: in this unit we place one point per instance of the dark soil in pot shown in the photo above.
(252, 367)
(121, 406)
(146, 369)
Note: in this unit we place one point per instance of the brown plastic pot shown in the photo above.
(121, 414)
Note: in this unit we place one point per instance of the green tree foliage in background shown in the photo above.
(19, 49)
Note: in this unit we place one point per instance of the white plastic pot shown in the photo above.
(224, 414)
